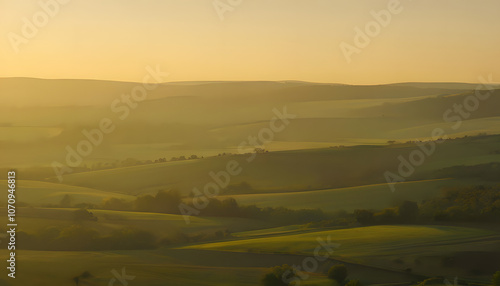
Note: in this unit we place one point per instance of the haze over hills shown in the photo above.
(69, 92)
(208, 118)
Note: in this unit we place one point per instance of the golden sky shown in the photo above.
(427, 40)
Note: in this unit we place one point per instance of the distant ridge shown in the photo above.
(446, 85)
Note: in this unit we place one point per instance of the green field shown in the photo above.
(270, 231)
(421, 248)
(366, 251)
(348, 199)
(354, 242)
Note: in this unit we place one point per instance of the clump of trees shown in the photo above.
(65, 202)
(459, 204)
(129, 162)
(338, 273)
(228, 207)
(407, 213)
(79, 237)
(84, 277)
(162, 202)
(474, 204)
(495, 281)
(338, 218)
(279, 276)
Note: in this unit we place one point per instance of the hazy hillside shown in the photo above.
(208, 118)
(288, 171)
(435, 107)
(68, 92)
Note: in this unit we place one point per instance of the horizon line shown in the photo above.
(250, 81)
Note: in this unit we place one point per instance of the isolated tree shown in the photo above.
(230, 207)
(82, 277)
(65, 201)
(338, 273)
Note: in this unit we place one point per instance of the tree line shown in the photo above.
(457, 204)
(169, 201)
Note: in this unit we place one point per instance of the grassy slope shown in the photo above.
(39, 193)
(318, 178)
(421, 248)
(363, 197)
(161, 225)
(269, 231)
(150, 268)
(354, 242)
(292, 170)
(195, 265)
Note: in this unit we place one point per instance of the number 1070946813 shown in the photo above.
(11, 197)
